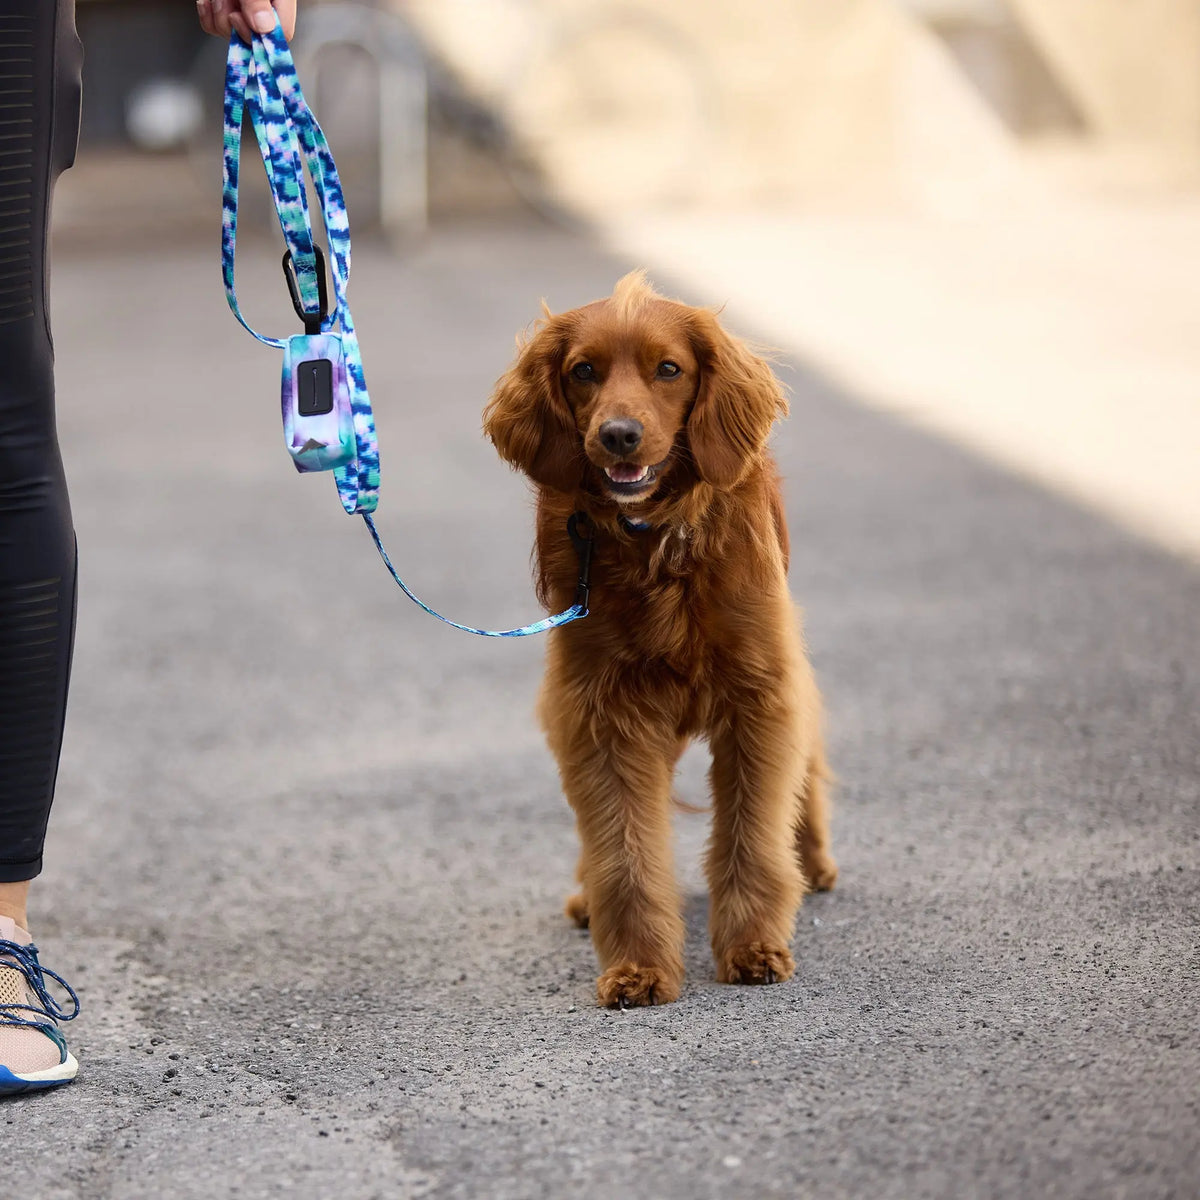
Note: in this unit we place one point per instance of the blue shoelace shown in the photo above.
(25, 960)
(260, 79)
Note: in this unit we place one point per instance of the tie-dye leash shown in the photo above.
(320, 366)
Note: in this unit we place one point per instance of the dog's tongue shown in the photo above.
(625, 472)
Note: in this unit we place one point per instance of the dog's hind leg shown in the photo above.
(576, 906)
(812, 827)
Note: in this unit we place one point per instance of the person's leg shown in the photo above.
(40, 59)
(14, 899)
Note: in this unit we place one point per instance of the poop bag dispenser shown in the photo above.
(318, 424)
(318, 420)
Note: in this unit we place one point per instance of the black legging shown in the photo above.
(40, 60)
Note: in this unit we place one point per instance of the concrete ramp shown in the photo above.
(797, 99)
(1132, 68)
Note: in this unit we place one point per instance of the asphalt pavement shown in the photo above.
(308, 857)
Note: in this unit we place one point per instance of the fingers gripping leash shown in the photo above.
(328, 422)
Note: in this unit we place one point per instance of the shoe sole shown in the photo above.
(33, 1081)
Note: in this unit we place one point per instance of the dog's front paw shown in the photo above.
(755, 962)
(628, 986)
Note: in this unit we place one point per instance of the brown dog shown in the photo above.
(645, 415)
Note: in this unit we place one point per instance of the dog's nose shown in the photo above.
(621, 436)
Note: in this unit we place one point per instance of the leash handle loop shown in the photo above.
(260, 79)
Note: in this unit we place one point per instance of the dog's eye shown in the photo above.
(583, 372)
(668, 370)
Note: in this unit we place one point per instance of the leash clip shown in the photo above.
(312, 321)
(584, 544)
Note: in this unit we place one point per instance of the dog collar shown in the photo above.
(632, 526)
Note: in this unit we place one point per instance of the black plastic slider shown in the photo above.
(584, 543)
(312, 321)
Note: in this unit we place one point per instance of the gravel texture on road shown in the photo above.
(308, 857)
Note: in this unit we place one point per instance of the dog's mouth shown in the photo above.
(625, 479)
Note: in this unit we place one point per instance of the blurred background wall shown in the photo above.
(981, 214)
(614, 104)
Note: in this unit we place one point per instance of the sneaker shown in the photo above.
(33, 1053)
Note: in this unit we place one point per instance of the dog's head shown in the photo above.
(631, 395)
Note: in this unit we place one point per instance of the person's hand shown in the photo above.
(218, 17)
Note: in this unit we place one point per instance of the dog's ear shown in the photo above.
(737, 403)
(528, 418)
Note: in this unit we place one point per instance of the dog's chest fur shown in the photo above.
(653, 599)
(674, 609)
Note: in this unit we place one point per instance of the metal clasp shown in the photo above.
(312, 321)
(584, 544)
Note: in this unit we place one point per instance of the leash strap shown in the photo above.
(577, 610)
(260, 79)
